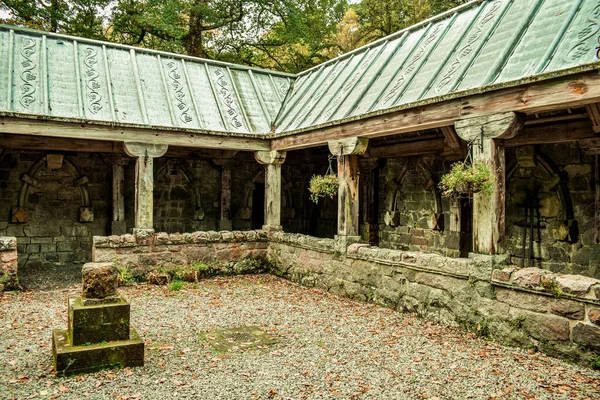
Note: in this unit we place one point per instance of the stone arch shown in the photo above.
(530, 157)
(53, 161)
(392, 216)
(170, 166)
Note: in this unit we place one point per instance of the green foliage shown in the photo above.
(323, 186)
(125, 277)
(176, 285)
(595, 362)
(464, 179)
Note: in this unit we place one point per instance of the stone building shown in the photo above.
(99, 139)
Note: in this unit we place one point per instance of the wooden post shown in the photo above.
(144, 181)
(369, 204)
(226, 164)
(118, 224)
(486, 135)
(272, 161)
(347, 152)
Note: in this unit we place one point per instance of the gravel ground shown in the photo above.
(328, 347)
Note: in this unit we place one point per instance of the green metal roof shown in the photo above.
(67, 78)
(482, 44)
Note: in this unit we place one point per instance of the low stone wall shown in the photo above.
(558, 314)
(8, 264)
(204, 253)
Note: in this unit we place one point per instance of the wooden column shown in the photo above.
(369, 201)
(144, 181)
(226, 164)
(347, 152)
(486, 134)
(272, 161)
(118, 224)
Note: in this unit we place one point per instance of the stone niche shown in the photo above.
(99, 335)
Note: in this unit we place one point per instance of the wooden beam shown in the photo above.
(51, 128)
(417, 148)
(549, 95)
(452, 139)
(9, 141)
(558, 133)
(593, 112)
(494, 126)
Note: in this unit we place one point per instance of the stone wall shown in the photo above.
(57, 194)
(8, 264)
(412, 214)
(555, 314)
(560, 181)
(230, 252)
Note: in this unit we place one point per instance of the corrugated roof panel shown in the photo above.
(347, 67)
(495, 51)
(536, 41)
(251, 102)
(389, 72)
(227, 99)
(578, 45)
(438, 57)
(468, 48)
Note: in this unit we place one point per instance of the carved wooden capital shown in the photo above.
(495, 126)
(136, 149)
(270, 157)
(349, 146)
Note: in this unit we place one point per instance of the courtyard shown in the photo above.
(325, 347)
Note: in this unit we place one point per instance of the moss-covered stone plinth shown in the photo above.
(98, 322)
(73, 360)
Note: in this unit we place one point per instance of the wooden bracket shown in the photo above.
(452, 139)
(348, 147)
(495, 126)
(593, 112)
(270, 157)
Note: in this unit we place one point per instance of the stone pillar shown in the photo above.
(145, 154)
(272, 161)
(487, 134)
(347, 152)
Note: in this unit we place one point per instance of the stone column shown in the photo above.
(272, 161)
(145, 154)
(487, 133)
(347, 152)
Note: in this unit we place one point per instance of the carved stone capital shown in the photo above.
(136, 149)
(270, 157)
(349, 146)
(495, 126)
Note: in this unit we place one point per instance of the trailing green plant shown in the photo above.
(323, 186)
(125, 276)
(465, 179)
(595, 362)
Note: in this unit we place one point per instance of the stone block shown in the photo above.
(523, 300)
(568, 309)
(158, 278)
(98, 323)
(575, 284)
(8, 243)
(594, 315)
(75, 360)
(502, 275)
(99, 280)
(587, 335)
(529, 277)
(543, 326)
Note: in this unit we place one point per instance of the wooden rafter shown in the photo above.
(452, 139)
(593, 112)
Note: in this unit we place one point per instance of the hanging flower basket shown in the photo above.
(465, 180)
(323, 186)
